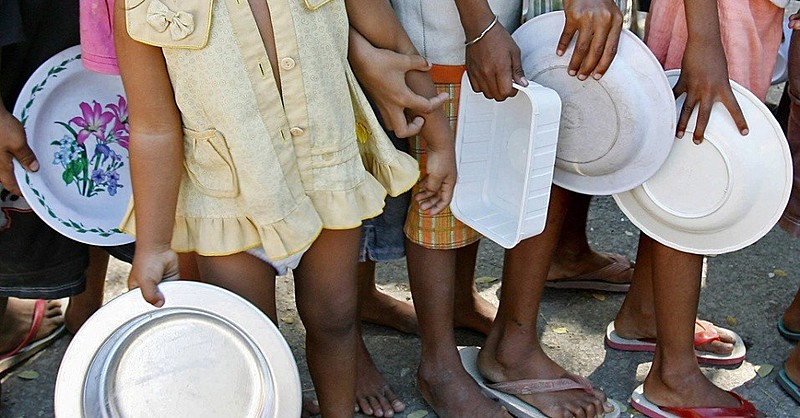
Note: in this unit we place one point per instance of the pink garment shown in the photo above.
(97, 37)
(751, 33)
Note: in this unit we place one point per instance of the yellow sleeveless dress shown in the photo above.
(265, 169)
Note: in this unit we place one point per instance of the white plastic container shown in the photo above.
(505, 154)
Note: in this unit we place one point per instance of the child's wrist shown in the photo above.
(152, 246)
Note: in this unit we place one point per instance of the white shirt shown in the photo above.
(435, 28)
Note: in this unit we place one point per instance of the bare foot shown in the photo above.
(473, 312)
(310, 408)
(379, 308)
(792, 365)
(18, 318)
(682, 389)
(566, 267)
(374, 396)
(791, 320)
(536, 365)
(628, 326)
(451, 392)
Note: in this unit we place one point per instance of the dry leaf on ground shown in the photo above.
(29, 375)
(764, 370)
(486, 280)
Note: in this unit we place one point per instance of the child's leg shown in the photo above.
(245, 275)
(675, 378)
(512, 350)
(471, 310)
(187, 266)
(84, 305)
(790, 221)
(791, 316)
(637, 316)
(325, 285)
(382, 239)
(441, 378)
(379, 308)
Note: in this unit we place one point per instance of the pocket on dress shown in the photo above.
(209, 164)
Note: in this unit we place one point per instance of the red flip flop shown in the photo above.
(28, 347)
(745, 409)
(704, 335)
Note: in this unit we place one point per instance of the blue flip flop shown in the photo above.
(790, 387)
(787, 333)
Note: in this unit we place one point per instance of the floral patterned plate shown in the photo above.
(77, 125)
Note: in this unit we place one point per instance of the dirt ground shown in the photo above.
(747, 289)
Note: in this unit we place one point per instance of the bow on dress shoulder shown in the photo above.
(161, 18)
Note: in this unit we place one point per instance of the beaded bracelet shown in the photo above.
(485, 31)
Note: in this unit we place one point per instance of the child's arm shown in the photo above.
(376, 21)
(156, 157)
(382, 74)
(13, 145)
(704, 71)
(494, 61)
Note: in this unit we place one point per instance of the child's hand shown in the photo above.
(13, 145)
(794, 21)
(382, 74)
(149, 268)
(437, 186)
(493, 63)
(704, 79)
(599, 25)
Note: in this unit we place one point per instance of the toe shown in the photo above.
(393, 401)
(310, 407)
(386, 407)
(363, 404)
(375, 405)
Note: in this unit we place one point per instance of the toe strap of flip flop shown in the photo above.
(706, 334)
(745, 410)
(533, 386)
(38, 317)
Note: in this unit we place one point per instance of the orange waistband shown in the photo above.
(447, 74)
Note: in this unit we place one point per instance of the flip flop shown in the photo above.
(599, 279)
(786, 333)
(788, 385)
(504, 392)
(28, 347)
(641, 404)
(614, 341)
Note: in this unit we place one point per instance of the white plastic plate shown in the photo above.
(615, 132)
(721, 195)
(76, 123)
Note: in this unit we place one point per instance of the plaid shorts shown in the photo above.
(441, 231)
